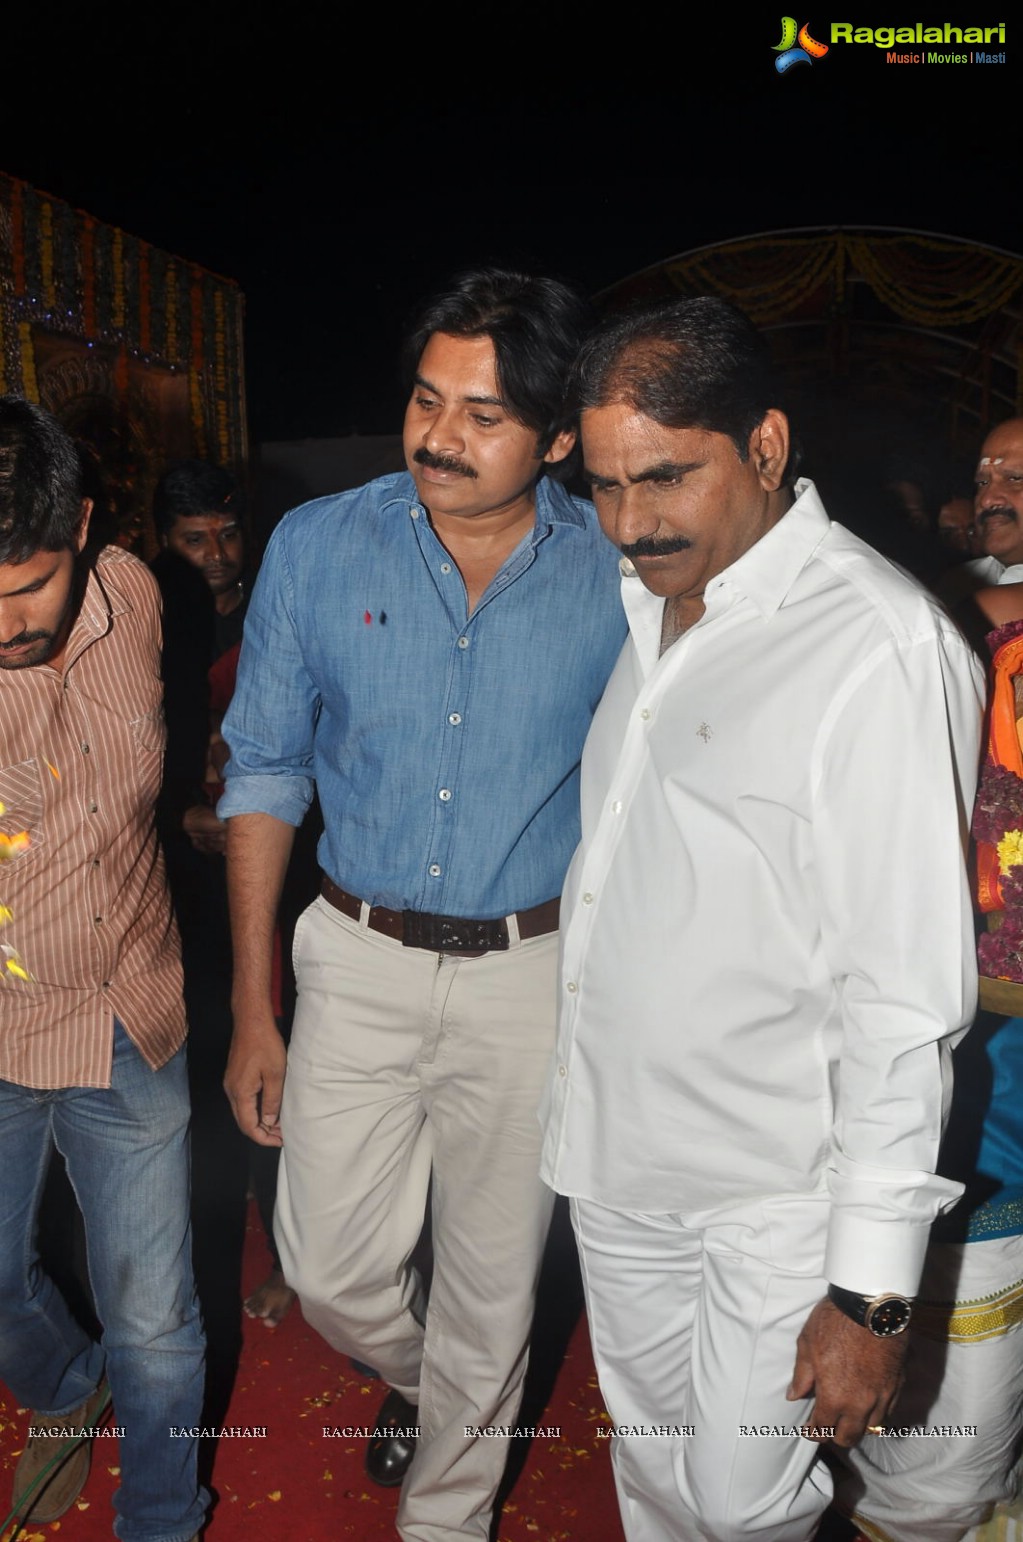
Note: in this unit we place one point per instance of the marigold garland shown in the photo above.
(922, 279)
(998, 817)
(63, 271)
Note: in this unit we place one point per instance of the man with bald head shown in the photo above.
(998, 517)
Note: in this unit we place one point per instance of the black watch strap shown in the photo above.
(884, 1316)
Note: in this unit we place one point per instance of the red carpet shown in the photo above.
(300, 1486)
(296, 1485)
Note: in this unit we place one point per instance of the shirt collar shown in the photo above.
(99, 606)
(554, 506)
(766, 572)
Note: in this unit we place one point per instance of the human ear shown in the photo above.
(561, 447)
(83, 524)
(769, 448)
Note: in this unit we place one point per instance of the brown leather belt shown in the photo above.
(443, 934)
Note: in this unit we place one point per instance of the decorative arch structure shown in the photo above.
(917, 329)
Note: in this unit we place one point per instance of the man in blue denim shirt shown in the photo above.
(427, 652)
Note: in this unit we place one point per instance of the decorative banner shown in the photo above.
(129, 346)
(927, 284)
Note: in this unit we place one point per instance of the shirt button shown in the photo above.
(463, 642)
(434, 869)
(445, 795)
(414, 513)
(93, 808)
(106, 985)
(562, 1070)
(445, 567)
(98, 920)
(95, 861)
(85, 749)
(616, 806)
(645, 714)
(571, 987)
(587, 899)
(454, 718)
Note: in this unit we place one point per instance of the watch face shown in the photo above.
(888, 1316)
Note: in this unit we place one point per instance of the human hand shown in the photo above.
(855, 1376)
(206, 832)
(218, 754)
(254, 1079)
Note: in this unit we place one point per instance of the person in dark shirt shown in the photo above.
(198, 512)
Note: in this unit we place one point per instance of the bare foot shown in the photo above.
(272, 1300)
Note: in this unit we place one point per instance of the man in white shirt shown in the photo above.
(767, 946)
(998, 508)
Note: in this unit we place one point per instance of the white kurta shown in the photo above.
(767, 930)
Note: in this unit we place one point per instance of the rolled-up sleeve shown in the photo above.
(896, 759)
(270, 725)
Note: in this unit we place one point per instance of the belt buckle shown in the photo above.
(452, 934)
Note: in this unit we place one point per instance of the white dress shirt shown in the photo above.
(767, 934)
(984, 572)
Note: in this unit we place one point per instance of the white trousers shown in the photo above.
(405, 1064)
(925, 1488)
(694, 1322)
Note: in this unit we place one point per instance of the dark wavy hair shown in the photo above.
(696, 363)
(190, 487)
(536, 326)
(40, 482)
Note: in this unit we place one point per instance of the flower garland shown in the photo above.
(998, 817)
(927, 281)
(64, 273)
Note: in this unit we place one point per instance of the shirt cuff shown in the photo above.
(875, 1258)
(283, 797)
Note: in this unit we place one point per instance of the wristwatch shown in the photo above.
(883, 1316)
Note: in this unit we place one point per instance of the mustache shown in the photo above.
(649, 546)
(23, 639)
(424, 457)
(999, 511)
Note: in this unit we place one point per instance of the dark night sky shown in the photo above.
(338, 178)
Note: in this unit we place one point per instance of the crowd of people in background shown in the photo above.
(736, 1060)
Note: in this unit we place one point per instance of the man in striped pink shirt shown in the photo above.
(91, 1047)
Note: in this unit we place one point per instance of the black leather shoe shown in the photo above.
(392, 1448)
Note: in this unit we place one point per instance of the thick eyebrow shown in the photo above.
(477, 401)
(1008, 468)
(663, 471)
(36, 583)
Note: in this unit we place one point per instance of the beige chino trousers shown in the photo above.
(404, 1065)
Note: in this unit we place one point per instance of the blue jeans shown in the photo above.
(126, 1150)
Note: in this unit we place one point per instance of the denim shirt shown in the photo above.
(445, 749)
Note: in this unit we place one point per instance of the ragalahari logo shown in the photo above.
(796, 47)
